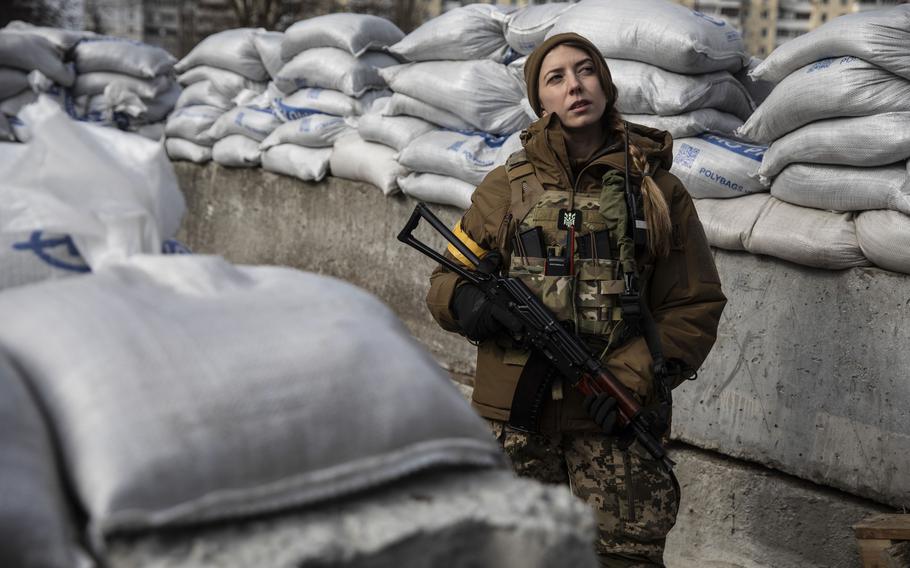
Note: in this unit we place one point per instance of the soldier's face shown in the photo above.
(568, 85)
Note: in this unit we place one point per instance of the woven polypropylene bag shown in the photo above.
(811, 237)
(120, 55)
(354, 33)
(877, 36)
(863, 141)
(464, 33)
(884, 237)
(226, 82)
(314, 131)
(233, 50)
(646, 89)
(354, 158)
(844, 188)
(394, 131)
(308, 164)
(25, 51)
(714, 166)
(402, 105)
(333, 68)
(465, 156)
(435, 188)
(485, 94)
(831, 88)
(527, 28)
(193, 123)
(180, 149)
(184, 389)
(237, 151)
(252, 122)
(728, 223)
(690, 123)
(12, 82)
(36, 527)
(268, 44)
(658, 32)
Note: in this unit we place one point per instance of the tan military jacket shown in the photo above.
(682, 290)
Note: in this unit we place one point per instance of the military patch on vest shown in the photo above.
(569, 218)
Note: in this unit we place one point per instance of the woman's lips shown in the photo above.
(580, 106)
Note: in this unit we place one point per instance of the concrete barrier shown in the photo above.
(808, 374)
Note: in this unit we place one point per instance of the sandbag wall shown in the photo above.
(98, 79)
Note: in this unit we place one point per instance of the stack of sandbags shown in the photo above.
(459, 100)
(837, 121)
(213, 74)
(330, 76)
(30, 63)
(78, 195)
(672, 66)
(173, 360)
(236, 134)
(122, 82)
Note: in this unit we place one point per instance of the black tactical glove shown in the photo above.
(478, 317)
(602, 408)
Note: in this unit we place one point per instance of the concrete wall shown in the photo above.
(808, 375)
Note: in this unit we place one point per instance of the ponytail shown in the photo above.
(657, 211)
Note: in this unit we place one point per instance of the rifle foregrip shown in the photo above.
(602, 382)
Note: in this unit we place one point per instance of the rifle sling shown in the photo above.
(530, 393)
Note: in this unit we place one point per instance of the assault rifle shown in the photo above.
(560, 348)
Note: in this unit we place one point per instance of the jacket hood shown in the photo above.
(535, 60)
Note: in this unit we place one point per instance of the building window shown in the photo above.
(824, 17)
(764, 14)
(762, 51)
(764, 32)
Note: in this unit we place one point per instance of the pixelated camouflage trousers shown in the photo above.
(634, 501)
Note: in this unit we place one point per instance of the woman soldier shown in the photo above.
(560, 217)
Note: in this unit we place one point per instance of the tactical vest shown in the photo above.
(589, 295)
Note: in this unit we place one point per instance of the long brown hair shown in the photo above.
(657, 211)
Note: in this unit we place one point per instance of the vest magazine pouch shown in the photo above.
(597, 296)
(556, 292)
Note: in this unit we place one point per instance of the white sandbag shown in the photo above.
(864, 141)
(307, 164)
(646, 89)
(690, 123)
(36, 528)
(884, 237)
(509, 147)
(468, 157)
(246, 121)
(354, 33)
(880, 37)
(333, 68)
(233, 50)
(12, 82)
(217, 392)
(527, 28)
(115, 193)
(468, 32)
(758, 89)
(193, 123)
(485, 94)
(844, 188)
(180, 149)
(226, 82)
(34, 256)
(827, 89)
(62, 39)
(326, 101)
(203, 93)
(121, 55)
(434, 188)
(237, 151)
(810, 237)
(95, 83)
(394, 131)
(728, 223)
(314, 130)
(22, 50)
(716, 167)
(268, 45)
(659, 32)
(353, 158)
(400, 105)
(122, 100)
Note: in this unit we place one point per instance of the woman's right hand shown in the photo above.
(480, 318)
